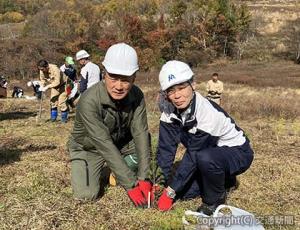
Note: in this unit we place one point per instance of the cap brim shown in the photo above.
(119, 71)
(176, 83)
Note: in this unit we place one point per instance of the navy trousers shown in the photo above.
(211, 170)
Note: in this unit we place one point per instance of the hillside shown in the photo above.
(276, 28)
(198, 32)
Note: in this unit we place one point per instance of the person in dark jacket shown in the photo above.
(217, 150)
(68, 68)
(36, 88)
(17, 92)
(3, 87)
(111, 128)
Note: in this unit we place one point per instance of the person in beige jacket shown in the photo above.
(52, 78)
(214, 88)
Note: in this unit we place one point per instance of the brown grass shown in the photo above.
(35, 191)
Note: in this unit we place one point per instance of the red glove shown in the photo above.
(146, 187)
(137, 197)
(164, 202)
(68, 90)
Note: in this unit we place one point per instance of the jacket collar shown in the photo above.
(187, 117)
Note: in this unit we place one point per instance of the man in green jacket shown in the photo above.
(111, 129)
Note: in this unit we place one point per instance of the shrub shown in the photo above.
(12, 17)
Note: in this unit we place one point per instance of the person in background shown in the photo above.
(3, 87)
(68, 68)
(17, 92)
(36, 88)
(52, 78)
(217, 150)
(90, 73)
(111, 129)
(3, 82)
(214, 88)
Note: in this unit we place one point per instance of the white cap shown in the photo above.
(29, 83)
(81, 54)
(173, 73)
(121, 59)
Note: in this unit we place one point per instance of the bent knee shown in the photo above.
(204, 157)
(87, 194)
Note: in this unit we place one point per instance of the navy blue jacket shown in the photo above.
(204, 124)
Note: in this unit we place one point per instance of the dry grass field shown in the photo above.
(35, 191)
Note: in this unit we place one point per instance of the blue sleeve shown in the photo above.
(83, 85)
(83, 81)
(188, 165)
(167, 146)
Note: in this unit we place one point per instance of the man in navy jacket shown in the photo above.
(216, 148)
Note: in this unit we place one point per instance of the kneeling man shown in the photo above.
(111, 129)
(217, 150)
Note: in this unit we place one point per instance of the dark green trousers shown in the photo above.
(89, 173)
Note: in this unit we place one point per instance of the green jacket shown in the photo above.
(108, 126)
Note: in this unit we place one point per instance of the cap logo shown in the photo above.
(171, 77)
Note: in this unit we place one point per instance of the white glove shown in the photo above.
(43, 89)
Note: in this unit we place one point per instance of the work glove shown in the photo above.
(43, 89)
(165, 202)
(68, 90)
(146, 188)
(137, 197)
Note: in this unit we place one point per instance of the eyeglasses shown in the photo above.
(177, 88)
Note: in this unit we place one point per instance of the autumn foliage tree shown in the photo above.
(195, 31)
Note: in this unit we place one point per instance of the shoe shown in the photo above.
(208, 209)
(231, 185)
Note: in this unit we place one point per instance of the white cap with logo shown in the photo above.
(173, 73)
